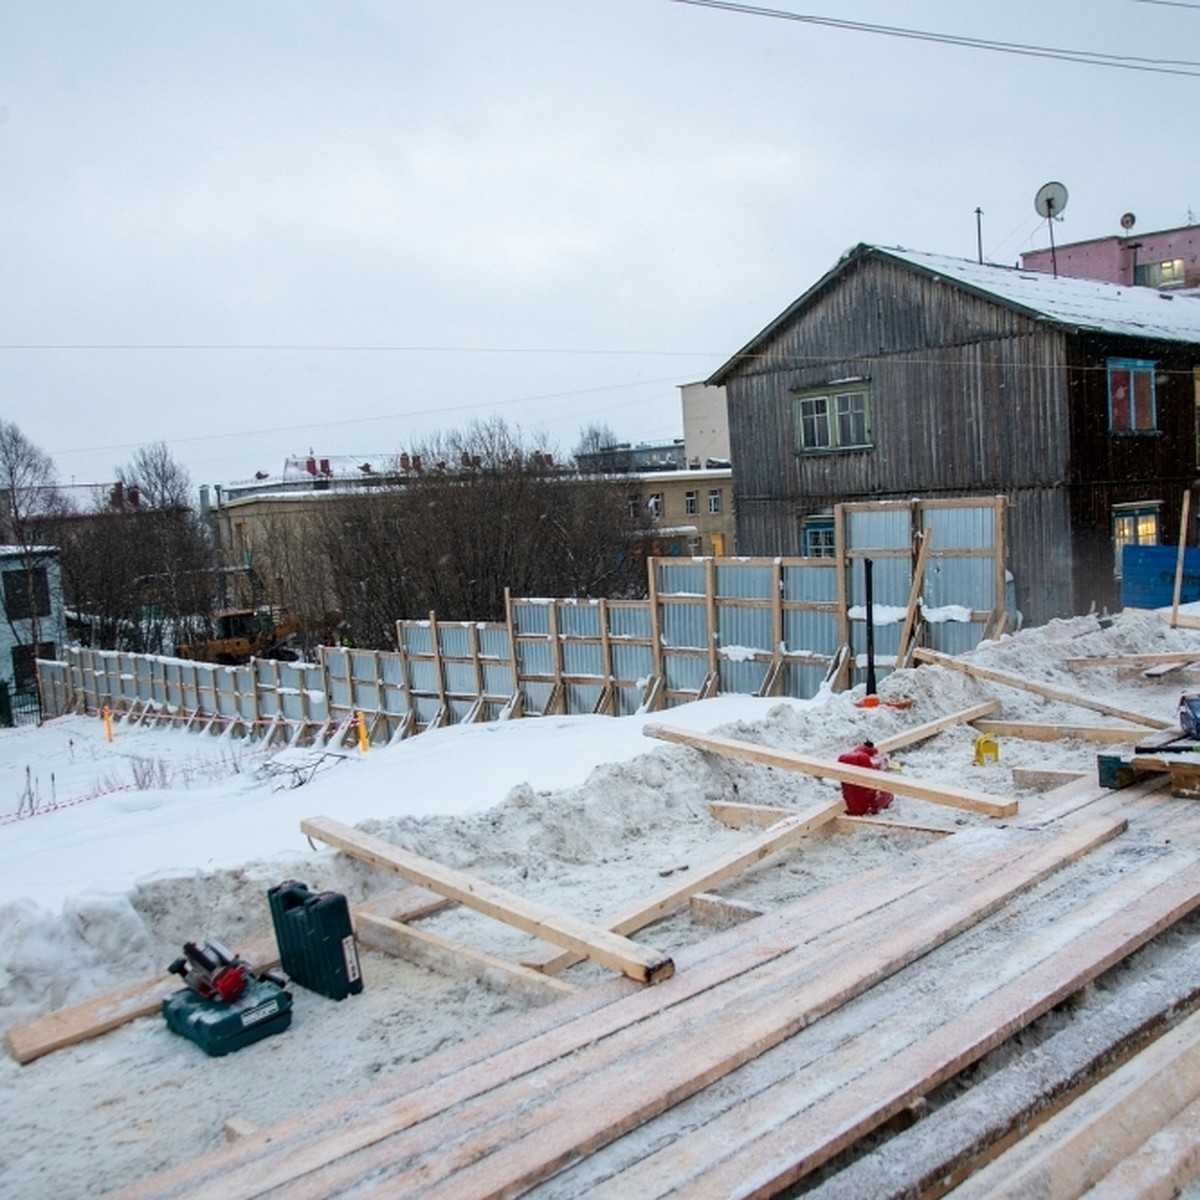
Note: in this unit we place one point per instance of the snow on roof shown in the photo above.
(1075, 304)
(1078, 303)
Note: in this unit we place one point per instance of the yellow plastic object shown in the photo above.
(986, 747)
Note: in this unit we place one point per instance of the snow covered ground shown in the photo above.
(114, 853)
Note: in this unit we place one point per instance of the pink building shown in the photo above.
(1169, 258)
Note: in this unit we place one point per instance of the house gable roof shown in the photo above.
(1074, 305)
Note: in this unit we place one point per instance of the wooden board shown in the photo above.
(720, 913)
(738, 816)
(923, 732)
(1043, 779)
(1078, 1146)
(1038, 689)
(439, 954)
(1034, 731)
(1162, 658)
(642, 963)
(641, 912)
(782, 1133)
(899, 783)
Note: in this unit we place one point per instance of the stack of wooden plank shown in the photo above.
(773, 1047)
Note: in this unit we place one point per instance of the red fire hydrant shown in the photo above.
(862, 801)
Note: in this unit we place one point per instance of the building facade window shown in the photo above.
(819, 539)
(1133, 525)
(26, 594)
(691, 503)
(655, 505)
(695, 546)
(1168, 273)
(714, 500)
(1132, 404)
(833, 419)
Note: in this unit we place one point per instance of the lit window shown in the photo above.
(1131, 399)
(1168, 273)
(714, 500)
(833, 420)
(1133, 525)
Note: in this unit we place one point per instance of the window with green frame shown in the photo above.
(1132, 404)
(833, 418)
(1133, 525)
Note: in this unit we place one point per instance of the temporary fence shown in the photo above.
(929, 573)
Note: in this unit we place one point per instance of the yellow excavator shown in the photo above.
(240, 634)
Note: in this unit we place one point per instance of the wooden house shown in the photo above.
(903, 374)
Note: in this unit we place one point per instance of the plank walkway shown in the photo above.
(506, 1113)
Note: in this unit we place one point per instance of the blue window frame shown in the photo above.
(1132, 403)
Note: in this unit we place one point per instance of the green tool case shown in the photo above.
(218, 1027)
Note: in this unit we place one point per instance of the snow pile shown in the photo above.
(162, 836)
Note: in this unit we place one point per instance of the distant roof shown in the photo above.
(1073, 304)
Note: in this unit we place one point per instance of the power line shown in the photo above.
(1123, 62)
(1170, 3)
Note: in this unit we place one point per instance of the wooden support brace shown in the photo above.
(930, 728)
(456, 960)
(642, 963)
(788, 760)
(1034, 731)
(1027, 685)
(798, 824)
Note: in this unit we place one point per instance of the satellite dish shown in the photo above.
(1050, 200)
(1127, 221)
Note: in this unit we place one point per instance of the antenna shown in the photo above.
(1128, 220)
(1049, 202)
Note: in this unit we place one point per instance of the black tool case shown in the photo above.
(315, 938)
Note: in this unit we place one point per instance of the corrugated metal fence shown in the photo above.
(754, 626)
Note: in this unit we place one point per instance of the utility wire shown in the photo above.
(1124, 62)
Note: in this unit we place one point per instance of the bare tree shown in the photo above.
(593, 439)
(486, 511)
(31, 502)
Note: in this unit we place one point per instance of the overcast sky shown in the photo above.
(254, 229)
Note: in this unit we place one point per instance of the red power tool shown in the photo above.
(212, 971)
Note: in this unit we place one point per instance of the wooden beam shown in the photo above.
(914, 598)
(738, 816)
(1083, 1142)
(1043, 779)
(1167, 657)
(638, 962)
(921, 732)
(1038, 689)
(848, 824)
(641, 912)
(1179, 553)
(1034, 731)
(719, 912)
(439, 954)
(788, 760)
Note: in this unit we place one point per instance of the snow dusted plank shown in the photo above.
(1107, 1124)
(1158, 1169)
(642, 963)
(737, 815)
(1038, 689)
(921, 733)
(789, 760)
(91, 1018)
(719, 912)
(1035, 731)
(797, 825)
(774, 1138)
(522, 1133)
(951, 1141)
(456, 960)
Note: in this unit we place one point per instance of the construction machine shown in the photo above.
(240, 634)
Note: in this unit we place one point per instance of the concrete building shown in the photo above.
(1168, 258)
